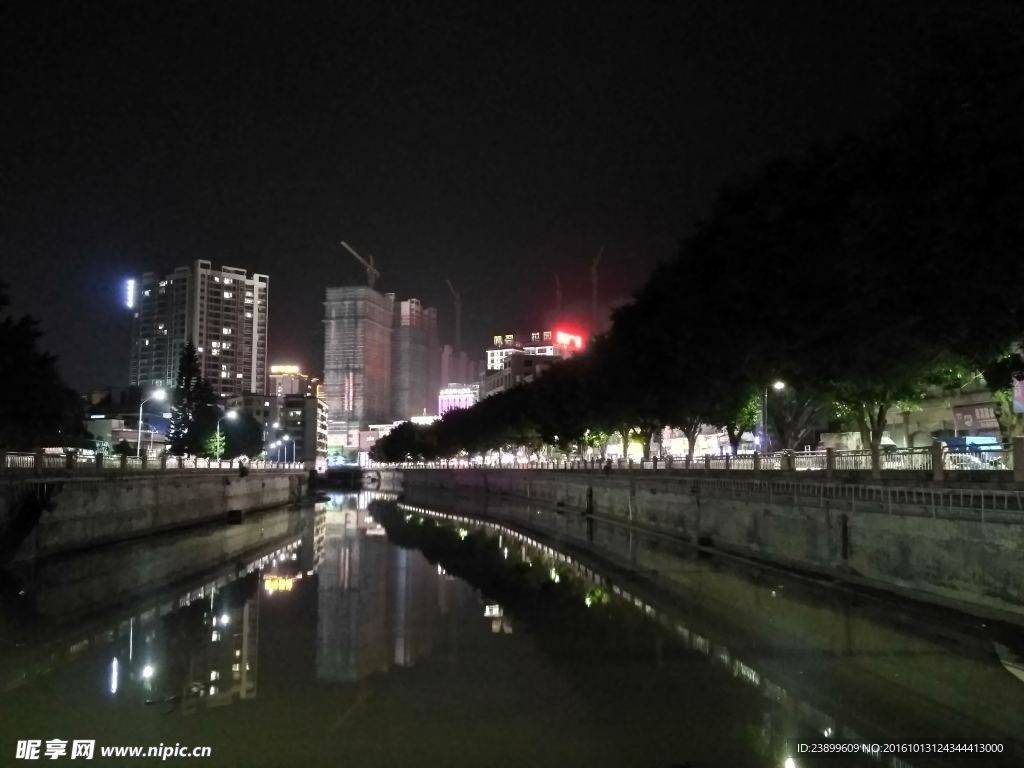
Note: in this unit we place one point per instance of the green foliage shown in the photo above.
(243, 436)
(124, 448)
(36, 406)
(215, 445)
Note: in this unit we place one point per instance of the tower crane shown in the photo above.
(371, 272)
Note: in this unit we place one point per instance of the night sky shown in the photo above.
(493, 143)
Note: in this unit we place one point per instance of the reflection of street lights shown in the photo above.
(158, 395)
(228, 415)
(778, 386)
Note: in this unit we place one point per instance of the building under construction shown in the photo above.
(415, 361)
(357, 363)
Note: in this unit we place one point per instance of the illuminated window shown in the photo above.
(214, 344)
(214, 675)
(146, 342)
(238, 375)
(226, 331)
(248, 314)
(223, 374)
(215, 636)
(214, 351)
(228, 294)
(216, 279)
(236, 667)
(199, 349)
(226, 345)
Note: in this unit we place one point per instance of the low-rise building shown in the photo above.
(557, 344)
(518, 369)
(302, 430)
(456, 396)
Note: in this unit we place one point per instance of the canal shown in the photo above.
(365, 631)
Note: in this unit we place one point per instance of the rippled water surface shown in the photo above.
(308, 638)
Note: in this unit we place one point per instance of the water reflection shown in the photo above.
(788, 712)
(376, 603)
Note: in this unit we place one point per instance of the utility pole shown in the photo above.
(458, 317)
(593, 291)
(371, 271)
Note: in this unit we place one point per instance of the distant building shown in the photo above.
(458, 366)
(415, 360)
(111, 430)
(357, 363)
(456, 396)
(304, 420)
(547, 343)
(223, 310)
(518, 369)
(290, 380)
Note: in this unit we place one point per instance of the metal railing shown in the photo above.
(59, 464)
(923, 460)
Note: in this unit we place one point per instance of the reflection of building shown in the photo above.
(413, 596)
(311, 555)
(357, 363)
(377, 603)
(226, 659)
(351, 619)
(221, 309)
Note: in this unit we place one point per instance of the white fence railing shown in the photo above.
(45, 463)
(925, 460)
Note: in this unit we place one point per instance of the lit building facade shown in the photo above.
(357, 363)
(546, 343)
(223, 310)
(456, 396)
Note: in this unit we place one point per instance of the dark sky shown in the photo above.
(493, 143)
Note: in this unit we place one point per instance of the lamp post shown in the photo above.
(158, 395)
(778, 386)
(288, 439)
(228, 415)
(277, 444)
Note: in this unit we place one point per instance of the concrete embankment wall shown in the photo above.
(86, 512)
(67, 585)
(965, 557)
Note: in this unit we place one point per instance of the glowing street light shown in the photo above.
(157, 395)
(288, 439)
(228, 415)
(778, 386)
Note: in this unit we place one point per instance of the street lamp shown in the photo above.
(778, 386)
(158, 395)
(228, 415)
(288, 439)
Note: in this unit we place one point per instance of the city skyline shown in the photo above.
(494, 149)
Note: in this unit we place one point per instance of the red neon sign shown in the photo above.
(568, 340)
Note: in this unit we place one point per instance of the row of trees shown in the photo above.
(864, 275)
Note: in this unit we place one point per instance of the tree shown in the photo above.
(124, 448)
(193, 411)
(36, 405)
(243, 436)
(215, 444)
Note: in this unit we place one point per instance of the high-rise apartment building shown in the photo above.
(223, 310)
(415, 360)
(357, 363)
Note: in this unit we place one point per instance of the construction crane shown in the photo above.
(593, 291)
(458, 317)
(371, 271)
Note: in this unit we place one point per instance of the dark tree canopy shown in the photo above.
(36, 406)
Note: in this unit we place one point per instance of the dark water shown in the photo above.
(307, 638)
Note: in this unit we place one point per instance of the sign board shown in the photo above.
(975, 418)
